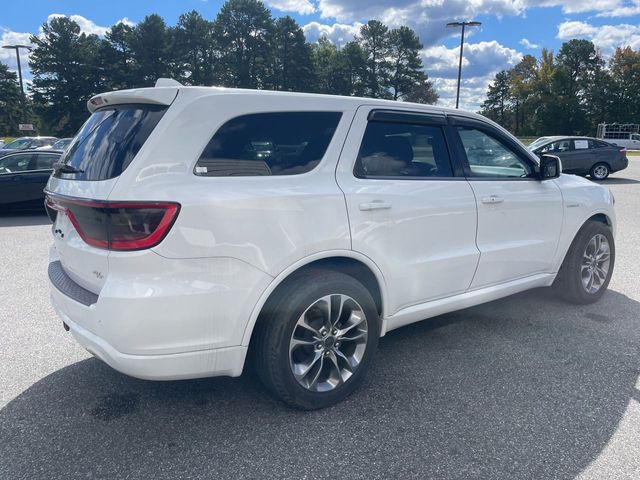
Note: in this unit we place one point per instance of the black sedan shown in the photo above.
(583, 155)
(23, 176)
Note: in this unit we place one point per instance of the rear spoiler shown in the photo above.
(164, 93)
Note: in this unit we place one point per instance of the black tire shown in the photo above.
(276, 325)
(568, 284)
(600, 171)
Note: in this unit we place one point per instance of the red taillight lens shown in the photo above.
(623, 151)
(117, 225)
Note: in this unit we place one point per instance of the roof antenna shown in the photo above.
(168, 82)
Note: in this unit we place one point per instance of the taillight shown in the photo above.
(122, 226)
(623, 151)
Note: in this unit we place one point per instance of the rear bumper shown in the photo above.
(204, 363)
(163, 319)
(620, 164)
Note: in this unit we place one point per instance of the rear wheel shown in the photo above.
(599, 171)
(588, 266)
(316, 339)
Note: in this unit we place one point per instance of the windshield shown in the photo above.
(61, 144)
(109, 140)
(536, 143)
(19, 143)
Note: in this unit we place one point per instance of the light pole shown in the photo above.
(17, 49)
(463, 25)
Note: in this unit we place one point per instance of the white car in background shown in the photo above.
(197, 227)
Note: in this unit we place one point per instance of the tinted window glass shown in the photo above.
(403, 150)
(488, 157)
(279, 143)
(45, 161)
(107, 143)
(15, 163)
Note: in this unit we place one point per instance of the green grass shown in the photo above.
(7, 139)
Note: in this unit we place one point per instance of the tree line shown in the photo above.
(243, 46)
(568, 93)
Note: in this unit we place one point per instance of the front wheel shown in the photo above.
(316, 339)
(586, 271)
(599, 171)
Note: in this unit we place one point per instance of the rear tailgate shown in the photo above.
(104, 147)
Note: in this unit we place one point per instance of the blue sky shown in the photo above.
(511, 28)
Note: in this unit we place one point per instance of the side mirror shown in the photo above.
(550, 167)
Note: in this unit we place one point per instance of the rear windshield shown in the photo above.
(109, 140)
(277, 143)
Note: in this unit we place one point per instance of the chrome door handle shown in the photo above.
(375, 205)
(492, 199)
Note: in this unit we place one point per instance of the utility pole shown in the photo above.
(463, 25)
(17, 49)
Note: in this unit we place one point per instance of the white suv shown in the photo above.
(194, 225)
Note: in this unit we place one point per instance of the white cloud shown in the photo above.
(481, 62)
(8, 57)
(337, 33)
(303, 7)
(527, 44)
(606, 37)
(429, 17)
(623, 10)
(479, 59)
(89, 26)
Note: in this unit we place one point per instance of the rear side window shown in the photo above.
(44, 161)
(109, 140)
(276, 143)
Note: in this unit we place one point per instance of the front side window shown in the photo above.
(489, 157)
(557, 147)
(276, 143)
(403, 150)
(15, 163)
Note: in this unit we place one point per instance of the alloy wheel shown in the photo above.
(600, 172)
(328, 343)
(596, 261)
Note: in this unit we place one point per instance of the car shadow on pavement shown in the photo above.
(524, 387)
(23, 219)
(617, 181)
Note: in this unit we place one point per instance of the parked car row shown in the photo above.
(34, 143)
(583, 155)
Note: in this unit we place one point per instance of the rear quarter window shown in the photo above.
(109, 140)
(275, 143)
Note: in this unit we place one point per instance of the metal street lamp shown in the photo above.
(17, 49)
(463, 25)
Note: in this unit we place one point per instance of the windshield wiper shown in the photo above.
(64, 168)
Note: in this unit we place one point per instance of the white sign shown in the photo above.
(580, 144)
(25, 127)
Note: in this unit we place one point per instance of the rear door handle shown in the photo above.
(492, 199)
(375, 205)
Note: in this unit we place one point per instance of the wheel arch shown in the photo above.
(350, 263)
(598, 216)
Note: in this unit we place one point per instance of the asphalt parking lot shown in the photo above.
(525, 387)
